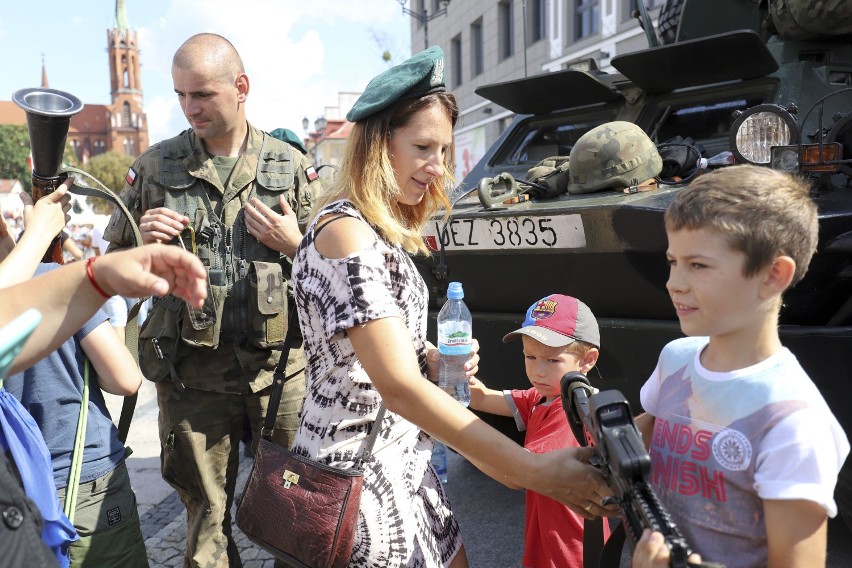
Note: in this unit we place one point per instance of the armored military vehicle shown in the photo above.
(742, 93)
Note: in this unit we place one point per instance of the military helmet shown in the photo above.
(614, 155)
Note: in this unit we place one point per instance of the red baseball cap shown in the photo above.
(558, 321)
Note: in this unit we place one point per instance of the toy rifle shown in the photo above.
(604, 422)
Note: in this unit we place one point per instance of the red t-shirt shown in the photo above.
(553, 535)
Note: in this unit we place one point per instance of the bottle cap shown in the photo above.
(455, 291)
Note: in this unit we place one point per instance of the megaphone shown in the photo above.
(49, 113)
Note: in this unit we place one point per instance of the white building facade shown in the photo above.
(493, 41)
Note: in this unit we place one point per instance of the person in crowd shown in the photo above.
(288, 136)
(235, 197)
(559, 334)
(745, 452)
(51, 390)
(70, 249)
(363, 306)
(51, 213)
(66, 298)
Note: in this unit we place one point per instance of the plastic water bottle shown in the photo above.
(454, 344)
(439, 460)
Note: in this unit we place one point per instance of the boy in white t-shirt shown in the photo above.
(744, 449)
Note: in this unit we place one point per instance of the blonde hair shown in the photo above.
(761, 212)
(578, 348)
(367, 178)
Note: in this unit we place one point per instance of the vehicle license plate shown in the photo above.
(500, 233)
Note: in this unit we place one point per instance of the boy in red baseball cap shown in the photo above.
(560, 334)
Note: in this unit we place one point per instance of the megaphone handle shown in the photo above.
(43, 186)
(54, 252)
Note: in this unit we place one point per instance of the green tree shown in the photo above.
(14, 149)
(109, 169)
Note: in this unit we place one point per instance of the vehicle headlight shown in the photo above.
(758, 129)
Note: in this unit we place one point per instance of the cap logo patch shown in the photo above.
(437, 73)
(543, 310)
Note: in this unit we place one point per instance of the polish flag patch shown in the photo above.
(130, 177)
(311, 173)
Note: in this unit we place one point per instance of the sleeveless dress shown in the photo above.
(405, 517)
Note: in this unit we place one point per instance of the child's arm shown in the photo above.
(117, 372)
(645, 425)
(795, 544)
(487, 400)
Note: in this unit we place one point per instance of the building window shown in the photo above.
(587, 18)
(456, 65)
(477, 52)
(125, 115)
(649, 4)
(130, 147)
(505, 29)
(537, 21)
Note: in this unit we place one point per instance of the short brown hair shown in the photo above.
(761, 212)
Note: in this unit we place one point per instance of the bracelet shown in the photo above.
(91, 276)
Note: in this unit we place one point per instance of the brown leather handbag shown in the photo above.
(299, 510)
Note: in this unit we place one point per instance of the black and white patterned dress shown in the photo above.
(405, 517)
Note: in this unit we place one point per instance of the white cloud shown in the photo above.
(298, 55)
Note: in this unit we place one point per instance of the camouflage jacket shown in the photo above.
(233, 343)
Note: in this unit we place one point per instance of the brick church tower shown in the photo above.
(128, 132)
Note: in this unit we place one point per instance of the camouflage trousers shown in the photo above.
(200, 435)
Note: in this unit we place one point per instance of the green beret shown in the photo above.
(419, 75)
(288, 136)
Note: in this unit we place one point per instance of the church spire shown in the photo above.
(121, 21)
(44, 84)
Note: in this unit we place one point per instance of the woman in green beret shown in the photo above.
(363, 309)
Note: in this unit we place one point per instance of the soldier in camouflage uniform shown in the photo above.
(238, 198)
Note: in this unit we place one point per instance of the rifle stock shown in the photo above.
(604, 422)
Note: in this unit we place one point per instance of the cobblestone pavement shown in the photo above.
(161, 513)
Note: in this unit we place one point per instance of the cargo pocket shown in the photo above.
(201, 327)
(159, 339)
(267, 305)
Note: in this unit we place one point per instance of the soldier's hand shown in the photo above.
(51, 213)
(161, 225)
(278, 232)
(433, 361)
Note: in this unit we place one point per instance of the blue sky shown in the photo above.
(298, 53)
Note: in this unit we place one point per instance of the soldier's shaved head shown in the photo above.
(211, 51)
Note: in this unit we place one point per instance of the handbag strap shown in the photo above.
(280, 377)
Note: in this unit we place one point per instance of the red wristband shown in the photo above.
(91, 276)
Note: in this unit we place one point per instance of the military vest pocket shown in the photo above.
(201, 327)
(159, 340)
(267, 305)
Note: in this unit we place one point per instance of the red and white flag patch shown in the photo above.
(130, 177)
(311, 173)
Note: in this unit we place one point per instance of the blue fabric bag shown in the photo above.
(20, 436)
